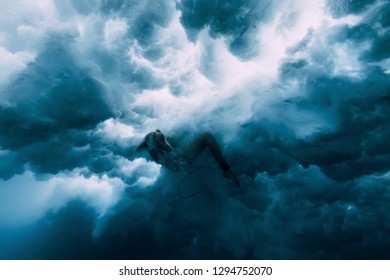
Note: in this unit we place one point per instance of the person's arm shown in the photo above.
(141, 146)
(144, 145)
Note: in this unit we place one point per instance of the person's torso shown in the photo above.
(176, 160)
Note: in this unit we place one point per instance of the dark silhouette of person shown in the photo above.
(176, 159)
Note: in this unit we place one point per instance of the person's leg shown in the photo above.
(204, 141)
(208, 140)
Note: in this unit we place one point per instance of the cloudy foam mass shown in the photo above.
(296, 92)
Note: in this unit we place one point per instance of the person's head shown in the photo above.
(161, 141)
(155, 141)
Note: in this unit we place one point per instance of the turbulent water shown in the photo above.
(297, 93)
